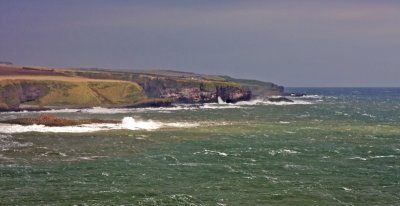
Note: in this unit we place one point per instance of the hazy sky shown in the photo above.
(292, 43)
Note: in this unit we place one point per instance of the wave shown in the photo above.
(372, 157)
(220, 105)
(308, 96)
(7, 143)
(206, 152)
(128, 123)
(220, 101)
(266, 102)
(102, 110)
(283, 152)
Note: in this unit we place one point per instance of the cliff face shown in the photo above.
(180, 88)
(200, 95)
(14, 93)
(38, 87)
(259, 89)
(40, 94)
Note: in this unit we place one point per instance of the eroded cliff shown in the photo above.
(38, 87)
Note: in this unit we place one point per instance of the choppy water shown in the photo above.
(333, 147)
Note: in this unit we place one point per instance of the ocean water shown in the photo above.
(335, 146)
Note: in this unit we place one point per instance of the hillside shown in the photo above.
(27, 87)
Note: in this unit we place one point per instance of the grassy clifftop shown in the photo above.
(68, 92)
(258, 88)
(89, 94)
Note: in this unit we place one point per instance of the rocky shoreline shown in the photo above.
(53, 121)
(24, 88)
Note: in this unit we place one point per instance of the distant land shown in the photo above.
(43, 88)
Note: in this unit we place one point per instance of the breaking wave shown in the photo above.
(7, 143)
(128, 123)
(102, 110)
(266, 102)
(304, 100)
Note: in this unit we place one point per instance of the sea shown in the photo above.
(333, 146)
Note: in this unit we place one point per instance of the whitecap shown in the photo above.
(2, 157)
(7, 143)
(283, 152)
(251, 102)
(298, 167)
(181, 125)
(295, 102)
(382, 156)
(357, 158)
(212, 152)
(128, 123)
(312, 96)
(219, 106)
(347, 189)
(132, 124)
(283, 122)
(266, 102)
(368, 115)
(289, 132)
(191, 164)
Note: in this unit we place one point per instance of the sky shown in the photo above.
(317, 43)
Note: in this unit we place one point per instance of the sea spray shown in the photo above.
(128, 123)
(132, 124)
(220, 100)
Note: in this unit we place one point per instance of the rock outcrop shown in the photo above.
(15, 93)
(200, 95)
(53, 121)
(233, 94)
(279, 99)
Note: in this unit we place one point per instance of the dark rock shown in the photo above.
(294, 94)
(53, 121)
(150, 103)
(279, 99)
(14, 94)
(233, 94)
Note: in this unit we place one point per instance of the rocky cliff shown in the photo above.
(13, 93)
(41, 88)
(180, 87)
(17, 94)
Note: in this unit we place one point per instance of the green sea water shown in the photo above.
(332, 147)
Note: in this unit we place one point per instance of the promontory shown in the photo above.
(42, 88)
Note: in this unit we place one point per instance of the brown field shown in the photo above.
(13, 72)
(55, 78)
(7, 70)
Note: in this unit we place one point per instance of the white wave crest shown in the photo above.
(7, 143)
(266, 102)
(219, 106)
(128, 123)
(132, 124)
(206, 151)
(102, 110)
(283, 152)
(308, 96)
(220, 101)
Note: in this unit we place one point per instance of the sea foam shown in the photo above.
(266, 102)
(128, 123)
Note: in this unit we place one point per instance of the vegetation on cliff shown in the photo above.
(40, 87)
(20, 87)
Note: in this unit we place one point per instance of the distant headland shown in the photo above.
(44, 88)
